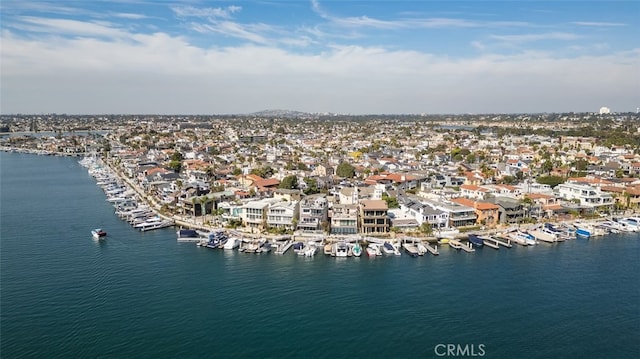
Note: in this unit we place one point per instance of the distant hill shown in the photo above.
(284, 114)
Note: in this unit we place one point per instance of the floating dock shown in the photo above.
(433, 250)
(284, 247)
(496, 242)
(489, 242)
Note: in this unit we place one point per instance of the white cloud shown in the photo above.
(67, 27)
(251, 32)
(521, 38)
(131, 16)
(597, 24)
(218, 12)
(159, 73)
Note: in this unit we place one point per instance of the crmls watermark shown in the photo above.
(459, 350)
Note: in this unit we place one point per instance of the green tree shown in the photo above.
(550, 180)
(471, 158)
(392, 202)
(426, 228)
(176, 166)
(289, 182)
(312, 186)
(346, 170)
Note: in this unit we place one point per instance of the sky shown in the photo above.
(338, 56)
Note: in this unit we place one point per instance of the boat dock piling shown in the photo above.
(468, 248)
(433, 250)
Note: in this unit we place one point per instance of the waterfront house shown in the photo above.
(511, 210)
(343, 218)
(459, 215)
(373, 216)
(423, 212)
(588, 196)
(231, 210)
(254, 213)
(283, 215)
(313, 213)
(487, 213)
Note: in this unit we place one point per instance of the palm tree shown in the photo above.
(203, 207)
(193, 206)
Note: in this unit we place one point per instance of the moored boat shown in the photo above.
(187, 235)
(410, 249)
(232, 243)
(388, 248)
(341, 249)
(475, 240)
(372, 250)
(356, 250)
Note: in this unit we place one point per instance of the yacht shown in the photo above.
(311, 249)
(187, 235)
(632, 224)
(232, 243)
(542, 235)
(388, 248)
(475, 240)
(153, 223)
(341, 249)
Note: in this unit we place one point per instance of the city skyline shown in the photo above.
(356, 57)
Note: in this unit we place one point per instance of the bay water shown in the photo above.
(143, 295)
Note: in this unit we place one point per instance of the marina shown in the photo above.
(130, 207)
(86, 282)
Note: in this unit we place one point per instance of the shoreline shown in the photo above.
(182, 222)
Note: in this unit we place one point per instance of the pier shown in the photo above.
(494, 242)
(433, 250)
(284, 247)
(456, 244)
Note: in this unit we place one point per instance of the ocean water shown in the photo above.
(143, 295)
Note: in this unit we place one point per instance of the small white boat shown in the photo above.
(341, 249)
(388, 248)
(373, 250)
(422, 249)
(311, 249)
(98, 233)
(232, 243)
(411, 249)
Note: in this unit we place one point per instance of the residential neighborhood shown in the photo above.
(369, 176)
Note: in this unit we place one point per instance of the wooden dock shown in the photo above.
(456, 244)
(489, 243)
(433, 250)
(284, 247)
(496, 242)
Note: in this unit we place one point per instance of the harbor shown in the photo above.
(143, 213)
(265, 297)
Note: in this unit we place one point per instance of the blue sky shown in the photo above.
(206, 57)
